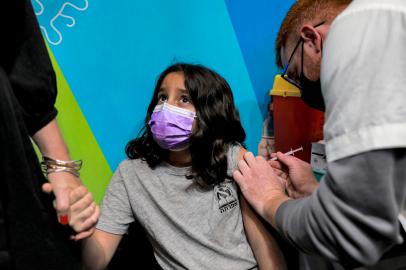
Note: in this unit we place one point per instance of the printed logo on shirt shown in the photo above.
(225, 197)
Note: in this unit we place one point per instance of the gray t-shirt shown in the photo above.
(188, 226)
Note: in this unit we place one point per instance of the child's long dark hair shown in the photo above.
(218, 125)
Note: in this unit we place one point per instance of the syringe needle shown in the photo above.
(291, 152)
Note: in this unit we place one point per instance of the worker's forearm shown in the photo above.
(271, 207)
(50, 142)
(356, 205)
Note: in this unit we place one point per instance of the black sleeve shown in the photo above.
(353, 216)
(25, 60)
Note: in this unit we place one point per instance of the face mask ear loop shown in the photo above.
(290, 58)
(321, 45)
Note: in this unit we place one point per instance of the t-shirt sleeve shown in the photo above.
(353, 216)
(232, 158)
(363, 81)
(26, 61)
(116, 212)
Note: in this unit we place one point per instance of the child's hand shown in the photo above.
(84, 213)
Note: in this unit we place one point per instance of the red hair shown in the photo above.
(305, 11)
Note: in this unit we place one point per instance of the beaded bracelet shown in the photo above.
(49, 165)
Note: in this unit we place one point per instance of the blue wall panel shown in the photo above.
(256, 25)
(112, 52)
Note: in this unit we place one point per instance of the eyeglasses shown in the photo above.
(285, 69)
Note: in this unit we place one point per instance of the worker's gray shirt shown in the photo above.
(353, 215)
(190, 227)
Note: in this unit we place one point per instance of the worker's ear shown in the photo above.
(312, 39)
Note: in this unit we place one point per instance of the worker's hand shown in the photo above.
(62, 184)
(261, 187)
(300, 180)
(68, 191)
(263, 149)
(266, 148)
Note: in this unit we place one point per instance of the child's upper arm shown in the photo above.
(265, 248)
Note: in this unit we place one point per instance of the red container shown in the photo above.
(295, 123)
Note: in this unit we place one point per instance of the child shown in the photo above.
(177, 182)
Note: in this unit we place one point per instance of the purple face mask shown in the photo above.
(171, 126)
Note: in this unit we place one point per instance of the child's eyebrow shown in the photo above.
(184, 91)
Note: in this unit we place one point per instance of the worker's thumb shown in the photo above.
(288, 161)
(62, 205)
(47, 188)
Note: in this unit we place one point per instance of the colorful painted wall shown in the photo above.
(107, 56)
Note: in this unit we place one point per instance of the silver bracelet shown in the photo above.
(49, 165)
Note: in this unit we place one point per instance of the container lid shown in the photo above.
(283, 88)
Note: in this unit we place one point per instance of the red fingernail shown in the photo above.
(63, 219)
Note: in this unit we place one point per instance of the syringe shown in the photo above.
(291, 152)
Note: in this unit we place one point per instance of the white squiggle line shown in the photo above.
(51, 22)
(42, 8)
(70, 18)
(75, 7)
(47, 37)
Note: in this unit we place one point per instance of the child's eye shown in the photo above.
(162, 98)
(185, 99)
